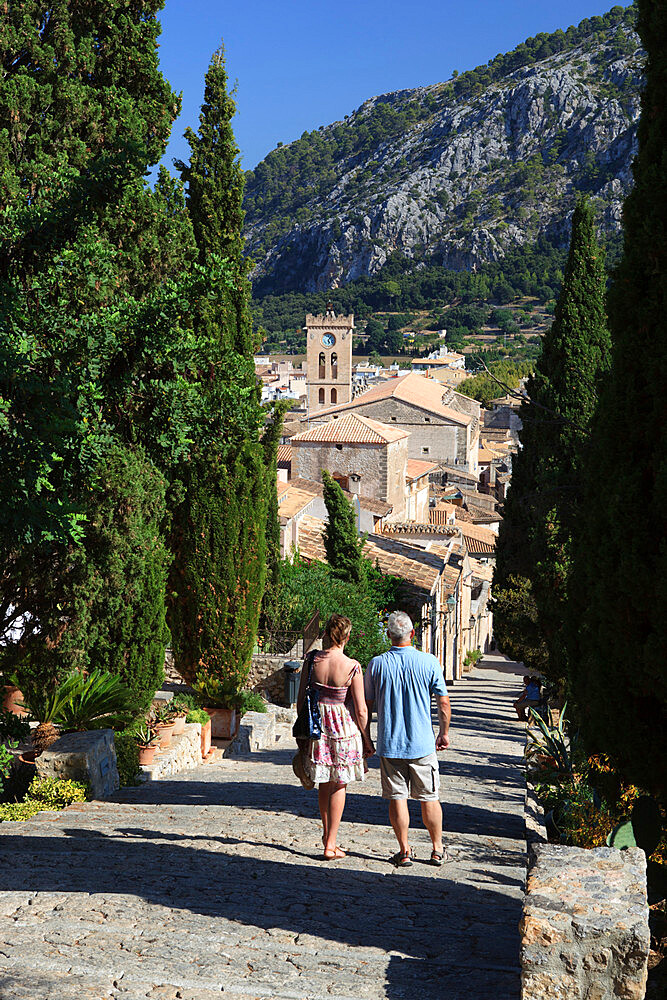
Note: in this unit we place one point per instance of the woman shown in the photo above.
(338, 756)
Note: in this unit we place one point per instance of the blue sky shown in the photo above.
(300, 64)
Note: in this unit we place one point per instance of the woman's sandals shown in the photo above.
(333, 855)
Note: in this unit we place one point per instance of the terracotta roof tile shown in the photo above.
(353, 428)
(294, 502)
(414, 388)
(416, 468)
(373, 506)
(418, 567)
(284, 453)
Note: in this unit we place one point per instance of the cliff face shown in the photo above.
(460, 171)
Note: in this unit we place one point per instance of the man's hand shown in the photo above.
(442, 741)
(369, 746)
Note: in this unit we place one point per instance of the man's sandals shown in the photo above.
(405, 860)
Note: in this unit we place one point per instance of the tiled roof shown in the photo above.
(440, 514)
(295, 501)
(418, 567)
(378, 507)
(479, 540)
(481, 571)
(414, 388)
(352, 429)
(284, 453)
(458, 472)
(291, 427)
(416, 468)
(442, 511)
(418, 528)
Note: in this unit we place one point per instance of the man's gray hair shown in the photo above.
(399, 625)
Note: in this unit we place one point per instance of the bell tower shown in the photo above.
(328, 359)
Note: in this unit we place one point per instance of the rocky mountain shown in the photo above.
(459, 172)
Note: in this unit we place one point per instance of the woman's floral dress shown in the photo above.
(338, 754)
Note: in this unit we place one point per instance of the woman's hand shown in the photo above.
(369, 746)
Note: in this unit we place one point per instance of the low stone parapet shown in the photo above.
(256, 732)
(88, 757)
(584, 930)
(183, 755)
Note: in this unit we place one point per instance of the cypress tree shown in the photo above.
(95, 351)
(617, 673)
(544, 500)
(343, 546)
(219, 536)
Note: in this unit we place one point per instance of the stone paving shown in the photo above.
(211, 882)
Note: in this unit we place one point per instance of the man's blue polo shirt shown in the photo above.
(401, 683)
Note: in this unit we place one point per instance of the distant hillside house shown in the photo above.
(443, 424)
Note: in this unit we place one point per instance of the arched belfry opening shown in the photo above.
(329, 359)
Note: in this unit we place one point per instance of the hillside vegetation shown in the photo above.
(458, 173)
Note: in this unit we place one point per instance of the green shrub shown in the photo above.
(127, 756)
(198, 715)
(183, 703)
(14, 811)
(472, 657)
(6, 759)
(250, 701)
(13, 726)
(57, 793)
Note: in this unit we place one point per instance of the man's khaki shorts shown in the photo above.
(418, 778)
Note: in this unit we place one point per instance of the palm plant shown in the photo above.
(92, 702)
(79, 702)
(552, 742)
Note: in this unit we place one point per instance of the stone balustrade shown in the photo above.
(584, 929)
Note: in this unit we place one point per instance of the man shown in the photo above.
(401, 682)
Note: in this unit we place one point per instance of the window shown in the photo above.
(334, 365)
(320, 396)
(334, 395)
(393, 419)
(323, 366)
(424, 451)
(339, 447)
(427, 420)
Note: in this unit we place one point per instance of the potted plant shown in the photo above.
(218, 698)
(180, 706)
(204, 719)
(147, 742)
(12, 700)
(162, 721)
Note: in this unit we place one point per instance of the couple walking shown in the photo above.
(400, 684)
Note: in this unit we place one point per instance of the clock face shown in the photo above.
(328, 340)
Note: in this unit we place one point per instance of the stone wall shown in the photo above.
(89, 757)
(184, 754)
(584, 930)
(444, 441)
(267, 677)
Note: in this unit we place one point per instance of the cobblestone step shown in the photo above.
(212, 882)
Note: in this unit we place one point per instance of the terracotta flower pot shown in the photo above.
(165, 730)
(147, 754)
(179, 725)
(206, 738)
(223, 722)
(12, 700)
